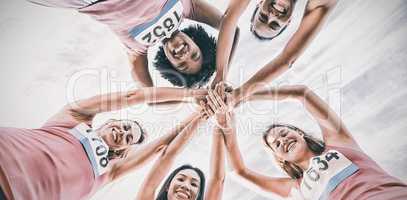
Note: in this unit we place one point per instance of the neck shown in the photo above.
(304, 163)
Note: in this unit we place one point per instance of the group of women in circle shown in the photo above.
(68, 159)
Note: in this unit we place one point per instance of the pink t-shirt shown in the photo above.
(342, 173)
(370, 182)
(45, 163)
(138, 23)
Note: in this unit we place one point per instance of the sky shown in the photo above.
(357, 63)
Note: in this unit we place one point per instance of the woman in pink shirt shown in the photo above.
(335, 168)
(186, 57)
(67, 159)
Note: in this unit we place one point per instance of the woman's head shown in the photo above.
(291, 145)
(187, 59)
(184, 183)
(120, 135)
(271, 18)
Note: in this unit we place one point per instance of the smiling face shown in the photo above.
(287, 144)
(184, 186)
(121, 134)
(183, 53)
(271, 17)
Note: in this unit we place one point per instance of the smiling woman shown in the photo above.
(187, 72)
(185, 182)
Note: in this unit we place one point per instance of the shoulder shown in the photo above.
(67, 118)
(313, 4)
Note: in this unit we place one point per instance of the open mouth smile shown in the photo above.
(182, 194)
(290, 145)
(180, 51)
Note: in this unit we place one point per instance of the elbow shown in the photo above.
(241, 172)
(300, 91)
(134, 96)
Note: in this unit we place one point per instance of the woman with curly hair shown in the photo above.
(188, 54)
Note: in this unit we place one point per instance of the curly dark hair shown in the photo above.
(207, 45)
(162, 194)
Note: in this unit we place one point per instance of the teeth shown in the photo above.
(291, 146)
(182, 194)
(177, 50)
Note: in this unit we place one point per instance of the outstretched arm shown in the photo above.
(228, 36)
(139, 70)
(217, 167)
(163, 164)
(85, 110)
(313, 19)
(280, 186)
(208, 14)
(334, 131)
(138, 158)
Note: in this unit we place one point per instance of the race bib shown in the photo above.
(325, 173)
(95, 148)
(162, 26)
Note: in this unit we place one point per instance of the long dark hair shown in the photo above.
(162, 195)
(315, 145)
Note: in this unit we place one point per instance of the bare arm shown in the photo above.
(217, 167)
(206, 13)
(280, 186)
(312, 21)
(85, 110)
(333, 129)
(138, 158)
(228, 36)
(139, 70)
(163, 164)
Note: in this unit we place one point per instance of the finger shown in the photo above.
(211, 104)
(221, 102)
(218, 89)
(214, 100)
(203, 107)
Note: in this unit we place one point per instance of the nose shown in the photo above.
(185, 186)
(283, 140)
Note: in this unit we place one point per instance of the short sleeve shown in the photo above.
(64, 120)
(188, 8)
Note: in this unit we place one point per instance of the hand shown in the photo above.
(217, 99)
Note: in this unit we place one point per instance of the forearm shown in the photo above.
(177, 144)
(146, 153)
(217, 167)
(139, 70)
(262, 78)
(120, 100)
(278, 93)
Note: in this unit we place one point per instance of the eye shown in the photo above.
(182, 67)
(195, 56)
(126, 127)
(129, 138)
(194, 184)
(180, 179)
(263, 17)
(284, 133)
(278, 144)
